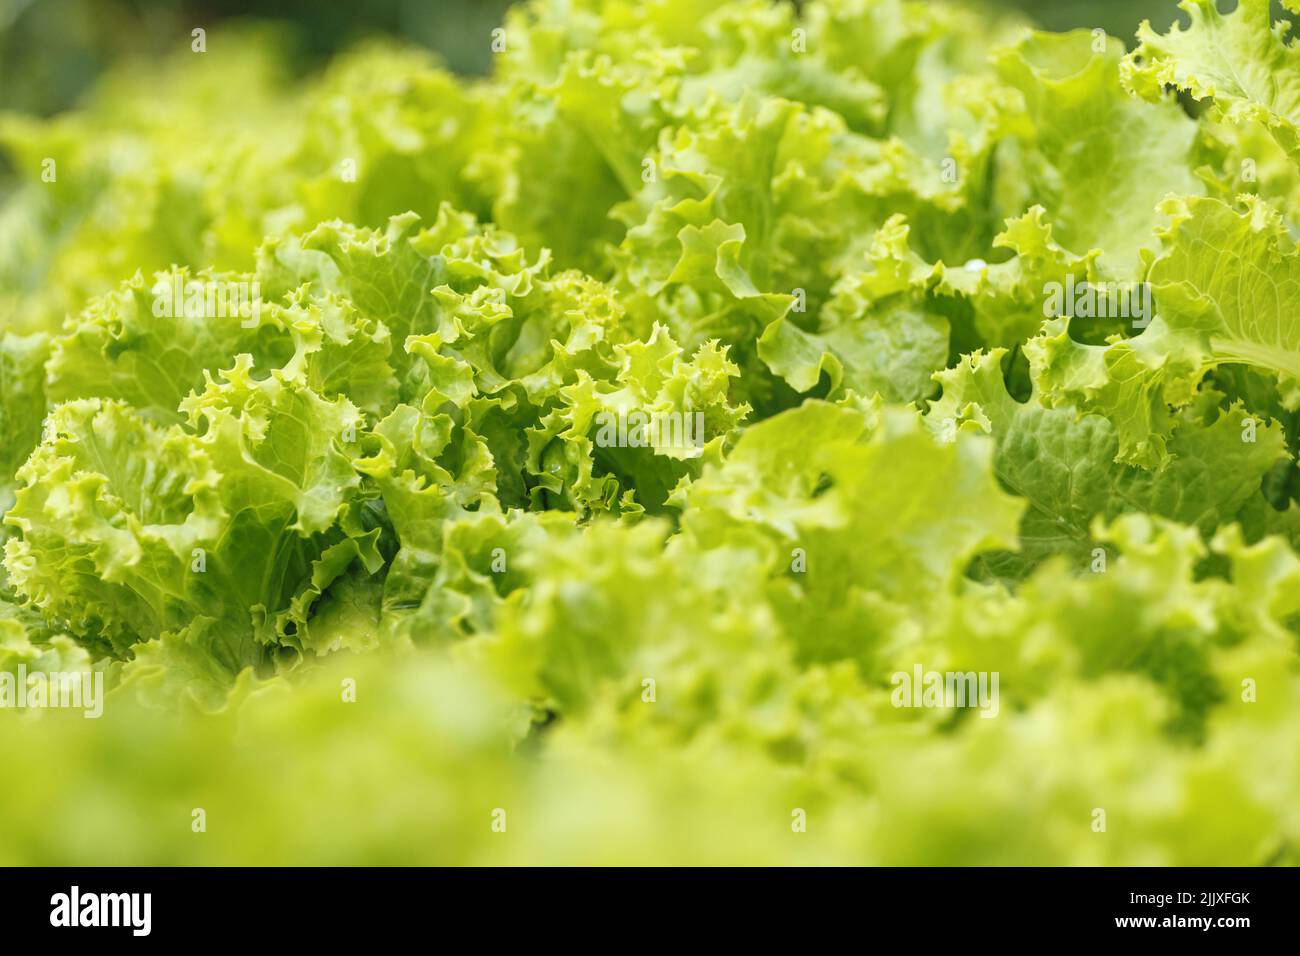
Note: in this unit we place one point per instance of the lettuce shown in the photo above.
(385, 558)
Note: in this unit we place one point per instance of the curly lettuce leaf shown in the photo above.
(1223, 287)
(1242, 63)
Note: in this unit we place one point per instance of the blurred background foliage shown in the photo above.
(52, 50)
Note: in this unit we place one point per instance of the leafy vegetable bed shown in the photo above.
(581, 464)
